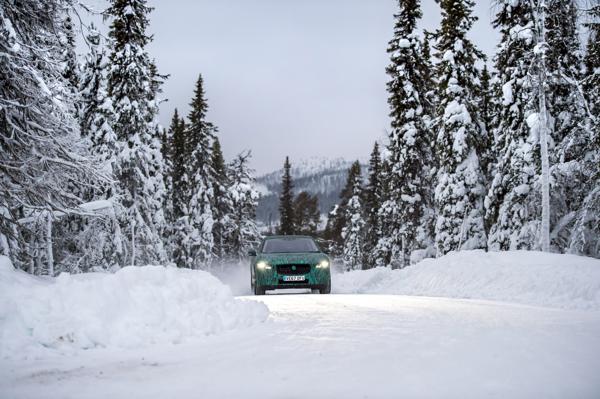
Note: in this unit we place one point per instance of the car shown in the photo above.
(290, 261)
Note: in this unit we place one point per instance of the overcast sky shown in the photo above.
(286, 77)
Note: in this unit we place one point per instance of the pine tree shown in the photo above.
(337, 217)
(585, 236)
(460, 140)
(306, 213)
(245, 234)
(139, 168)
(70, 66)
(409, 140)
(353, 230)
(40, 151)
(96, 110)
(179, 242)
(200, 136)
(223, 206)
(373, 194)
(170, 156)
(287, 220)
(567, 111)
(511, 201)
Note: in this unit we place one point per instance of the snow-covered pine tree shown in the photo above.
(353, 230)
(460, 140)
(167, 152)
(373, 198)
(569, 178)
(306, 213)
(287, 220)
(336, 219)
(244, 196)
(223, 205)
(200, 136)
(511, 201)
(70, 65)
(585, 236)
(40, 149)
(96, 107)
(409, 140)
(179, 241)
(138, 167)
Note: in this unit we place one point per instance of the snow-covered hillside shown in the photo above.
(526, 277)
(324, 177)
(135, 307)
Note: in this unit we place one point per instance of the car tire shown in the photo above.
(258, 290)
(326, 289)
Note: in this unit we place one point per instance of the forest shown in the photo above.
(496, 154)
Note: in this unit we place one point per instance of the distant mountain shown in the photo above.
(321, 176)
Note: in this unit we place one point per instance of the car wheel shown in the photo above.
(326, 289)
(258, 290)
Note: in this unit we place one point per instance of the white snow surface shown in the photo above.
(525, 277)
(344, 346)
(134, 307)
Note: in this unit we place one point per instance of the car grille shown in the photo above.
(289, 269)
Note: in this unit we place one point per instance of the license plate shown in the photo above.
(294, 278)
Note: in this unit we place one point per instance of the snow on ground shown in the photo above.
(318, 346)
(344, 346)
(526, 277)
(135, 307)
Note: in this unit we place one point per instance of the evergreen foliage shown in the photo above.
(409, 140)
(244, 197)
(373, 198)
(40, 151)
(198, 229)
(287, 220)
(510, 202)
(222, 206)
(138, 166)
(353, 229)
(306, 213)
(460, 139)
(337, 217)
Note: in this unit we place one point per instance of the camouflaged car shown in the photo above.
(289, 262)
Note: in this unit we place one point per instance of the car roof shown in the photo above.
(287, 236)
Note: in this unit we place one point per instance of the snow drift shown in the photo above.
(133, 307)
(526, 277)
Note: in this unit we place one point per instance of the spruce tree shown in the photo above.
(568, 114)
(222, 206)
(306, 212)
(373, 198)
(585, 236)
(460, 138)
(287, 220)
(409, 140)
(200, 135)
(139, 168)
(337, 217)
(511, 201)
(96, 110)
(245, 234)
(353, 229)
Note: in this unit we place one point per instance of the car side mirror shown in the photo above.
(252, 252)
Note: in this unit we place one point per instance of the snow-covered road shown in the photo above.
(344, 346)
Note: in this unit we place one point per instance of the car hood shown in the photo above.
(298, 258)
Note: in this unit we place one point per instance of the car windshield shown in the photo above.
(281, 245)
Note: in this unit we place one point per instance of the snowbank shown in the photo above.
(134, 307)
(526, 277)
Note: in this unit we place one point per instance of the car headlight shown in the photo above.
(262, 265)
(323, 264)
